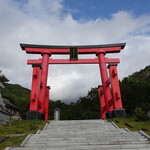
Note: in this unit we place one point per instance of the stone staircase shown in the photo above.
(84, 135)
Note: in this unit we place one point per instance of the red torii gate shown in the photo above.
(110, 97)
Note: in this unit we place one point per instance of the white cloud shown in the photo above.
(48, 23)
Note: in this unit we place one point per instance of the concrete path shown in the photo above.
(84, 135)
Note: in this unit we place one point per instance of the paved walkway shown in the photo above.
(84, 135)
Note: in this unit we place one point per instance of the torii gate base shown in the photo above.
(34, 115)
(118, 113)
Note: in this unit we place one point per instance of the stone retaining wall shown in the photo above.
(4, 118)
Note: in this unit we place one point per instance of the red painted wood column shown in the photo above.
(35, 88)
(115, 86)
(105, 81)
(47, 103)
(102, 102)
(44, 74)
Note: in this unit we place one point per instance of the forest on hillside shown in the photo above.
(135, 90)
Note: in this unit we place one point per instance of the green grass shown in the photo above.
(19, 130)
(144, 125)
(22, 127)
(12, 141)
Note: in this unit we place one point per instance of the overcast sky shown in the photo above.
(73, 22)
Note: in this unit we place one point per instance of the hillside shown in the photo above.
(135, 91)
(18, 95)
(143, 76)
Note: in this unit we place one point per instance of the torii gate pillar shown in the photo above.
(43, 84)
(47, 102)
(33, 112)
(105, 81)
(115, 88)
(102, 103)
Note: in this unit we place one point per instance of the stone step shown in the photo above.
(92, 133)
(79, 144)
(98, 132)
(88, 147)
(84, 140)
(79, 131)
(88, 136)
(86, 131)
(85, 135)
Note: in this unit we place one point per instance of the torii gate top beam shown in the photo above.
(82, 49)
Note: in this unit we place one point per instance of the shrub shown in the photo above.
(139, 114)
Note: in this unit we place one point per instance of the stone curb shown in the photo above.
(38, 131)
(106, 121)
(45, 126)
(114, 125)
(127, 129)
(7, 148)
(25, 140)
(11, 135)
(144, 134)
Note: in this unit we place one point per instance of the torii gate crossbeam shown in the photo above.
(79, 61)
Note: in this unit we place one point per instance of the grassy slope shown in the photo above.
(135, 126)
(19, 130)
